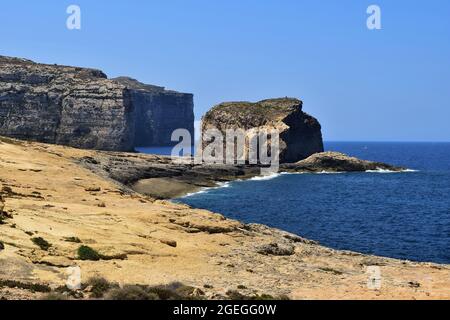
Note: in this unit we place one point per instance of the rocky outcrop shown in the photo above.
(300, 133)
(338, 162)
(80, 107)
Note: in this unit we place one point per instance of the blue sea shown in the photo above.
(399, 215)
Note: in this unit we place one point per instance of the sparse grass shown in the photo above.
(66, 292)
(73, 239)
(99, 286)
(55, 296)
(41, 243)
(164, 293)
(131, 293)
(172, 291)
(236, 295)
(87, 253)
(34, 287)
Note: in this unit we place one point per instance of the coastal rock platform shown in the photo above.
(71, 197)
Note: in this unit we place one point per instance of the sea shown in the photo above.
(402, 215)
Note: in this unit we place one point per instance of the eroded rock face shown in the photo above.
(170, 110)
(300, 133)
(81, 108)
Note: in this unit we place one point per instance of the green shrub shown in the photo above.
(87, 253)
(41, 243)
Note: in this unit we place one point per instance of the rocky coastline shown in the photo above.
(162, 178)
(64, 204)
(90, 202)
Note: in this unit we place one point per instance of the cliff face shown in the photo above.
(80, 107)
(159, 112)
(300, 133)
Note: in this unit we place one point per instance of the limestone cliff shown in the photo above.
(169, 110)
(300, 133)
(80, 107)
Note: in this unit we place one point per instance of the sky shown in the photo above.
(391, 84)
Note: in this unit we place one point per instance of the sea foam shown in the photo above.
(265, 177)
(380, 170)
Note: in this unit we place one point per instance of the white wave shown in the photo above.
(329, 172)
(410, 170)
(265, 177)
(290, 173)
(380, 170)
(205, 190)
(222, 185)
(194, 193)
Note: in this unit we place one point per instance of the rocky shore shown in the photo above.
(161, 178)
(55, 200)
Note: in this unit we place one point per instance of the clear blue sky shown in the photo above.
(391, 84)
